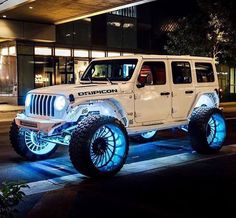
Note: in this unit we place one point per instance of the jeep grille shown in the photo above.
(42, 105)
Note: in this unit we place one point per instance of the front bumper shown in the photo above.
(37, 124)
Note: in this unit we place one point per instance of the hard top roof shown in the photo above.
(180, 57)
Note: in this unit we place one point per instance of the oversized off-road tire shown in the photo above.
(207, 130)
(99, 146)
(145, 137)
(27, 144)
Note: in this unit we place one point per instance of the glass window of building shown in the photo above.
(63, 52)
(81, 61)
(80, 66)
(79, 53)
(232, 81)
(8, 71)
(127, 54)
(113, 54)
(64, 33)
(126, 12)
(82, 32)
(43, 51)
(44, 71)
(129, 33)
(64, 67)
(114, 31)
(98, 54)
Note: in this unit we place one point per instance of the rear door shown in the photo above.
(183, 89)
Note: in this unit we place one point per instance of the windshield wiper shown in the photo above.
(109, 81)
(90, 79)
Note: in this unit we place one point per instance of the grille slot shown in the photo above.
(42, 105)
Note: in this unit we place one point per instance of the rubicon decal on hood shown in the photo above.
(106, 91)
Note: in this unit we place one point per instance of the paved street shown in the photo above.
(204, 188)
(13, 167)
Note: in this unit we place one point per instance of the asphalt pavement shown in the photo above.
(198, 189)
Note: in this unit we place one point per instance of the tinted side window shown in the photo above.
(204, 72)
(155, 73)
(181, 72)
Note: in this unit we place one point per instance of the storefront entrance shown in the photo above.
(64, 68)
(43, 71)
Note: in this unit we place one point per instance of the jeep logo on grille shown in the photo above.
(107, 91)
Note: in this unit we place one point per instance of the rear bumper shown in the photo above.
(43, 125)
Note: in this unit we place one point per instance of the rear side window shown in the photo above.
(205, 73)
(181, 72)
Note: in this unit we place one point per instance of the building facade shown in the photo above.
(28, 64)
(34, 55)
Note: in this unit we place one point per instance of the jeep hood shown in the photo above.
(78, 89)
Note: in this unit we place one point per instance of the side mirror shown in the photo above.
(142, 80)
(140, 85)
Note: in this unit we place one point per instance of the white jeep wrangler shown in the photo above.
(119, 97)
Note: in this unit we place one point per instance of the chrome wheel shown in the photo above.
(149, 134)
(36, 145)
(107, 147)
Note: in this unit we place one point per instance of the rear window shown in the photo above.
(205, 73)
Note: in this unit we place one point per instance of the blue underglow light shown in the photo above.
(217, 131)
(108, 148)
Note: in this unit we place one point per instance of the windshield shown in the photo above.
(110, 70)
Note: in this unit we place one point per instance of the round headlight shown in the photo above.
(60, 103)
(28, 100)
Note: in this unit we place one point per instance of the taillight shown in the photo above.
(219, 92)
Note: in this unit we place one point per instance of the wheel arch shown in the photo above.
(105, 107)
(205, 99)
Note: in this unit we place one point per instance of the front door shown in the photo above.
(183, 90)
(152, 94)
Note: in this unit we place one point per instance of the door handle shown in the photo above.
(165, 93)
(189, 92)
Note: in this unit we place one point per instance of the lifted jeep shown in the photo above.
(119, 97)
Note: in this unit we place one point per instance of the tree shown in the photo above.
(209, 32)
(189, 38)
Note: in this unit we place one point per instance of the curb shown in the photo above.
(7, 111)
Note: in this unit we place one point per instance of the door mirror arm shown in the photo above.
(140, 85)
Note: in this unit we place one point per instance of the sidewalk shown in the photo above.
(7, 110)
(229, 109)
(10, 108)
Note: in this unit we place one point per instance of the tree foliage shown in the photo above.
(209, 32)
(10, 196)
